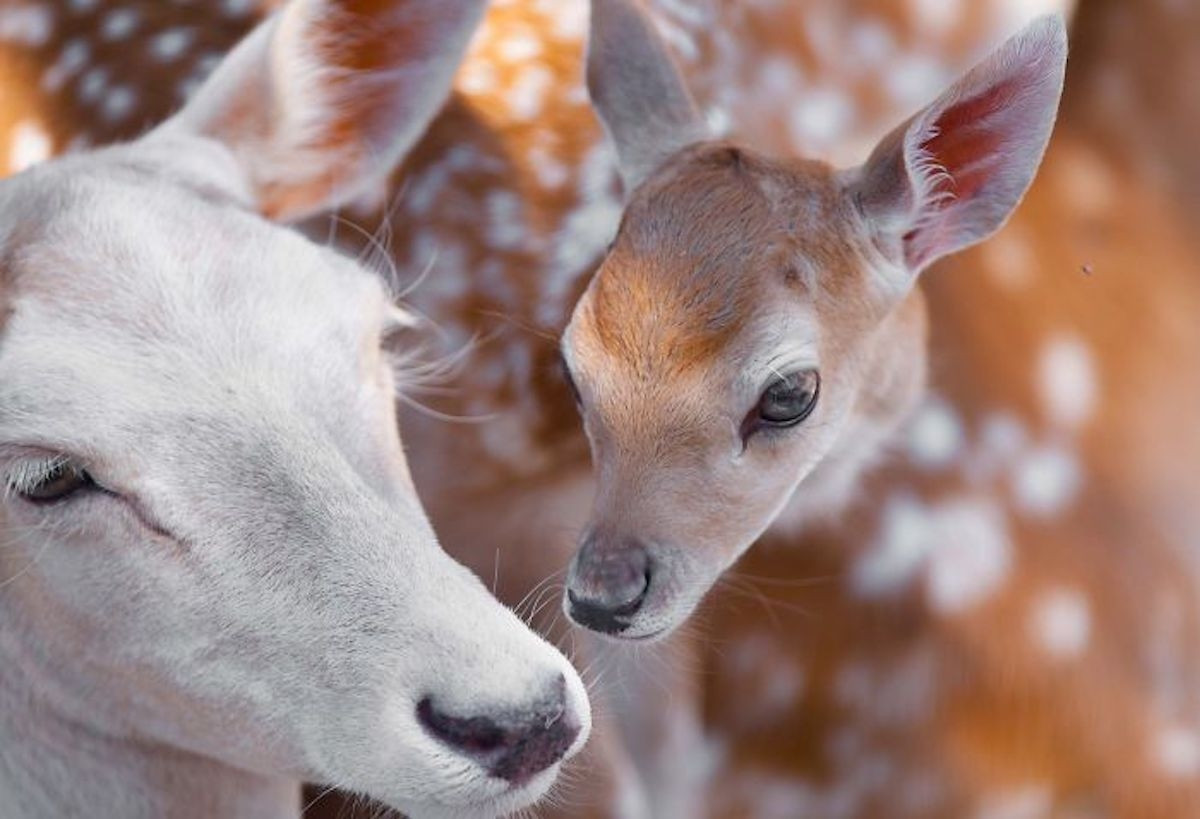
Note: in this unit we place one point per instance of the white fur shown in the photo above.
(256, 597)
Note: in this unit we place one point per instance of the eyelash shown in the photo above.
(25, 476)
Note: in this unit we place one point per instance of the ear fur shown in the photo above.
(951, 176)
(326, 96)
(637, 90)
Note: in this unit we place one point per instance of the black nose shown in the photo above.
(514, 747)
(608, 583)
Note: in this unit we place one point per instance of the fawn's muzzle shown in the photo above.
(607, 584)
(514, 747)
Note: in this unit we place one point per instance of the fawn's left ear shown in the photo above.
(952, 175)
(326, 96)
(637, 90)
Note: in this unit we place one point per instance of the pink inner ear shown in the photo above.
(968, 142)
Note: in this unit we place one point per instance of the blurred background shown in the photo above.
(1005, 625)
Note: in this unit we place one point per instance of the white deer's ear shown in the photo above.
(637, 90)
(952, 175)
(326, 96)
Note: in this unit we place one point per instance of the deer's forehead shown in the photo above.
(148, 302)
(708, 247)
(159, 262)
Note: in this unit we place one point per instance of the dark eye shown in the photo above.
(786, 401)
(60, 483)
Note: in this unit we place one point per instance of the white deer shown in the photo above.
(755, 333)
(216, 579)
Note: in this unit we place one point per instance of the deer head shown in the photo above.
(754, 333)
(209, 540)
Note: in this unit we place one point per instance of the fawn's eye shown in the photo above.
(50, 482)
(786, 401)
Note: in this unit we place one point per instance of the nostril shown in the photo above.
(610, 611)
(473, 736)
(514, 749)
(549, 733)
(608, 583)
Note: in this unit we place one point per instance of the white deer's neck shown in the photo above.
(51, 766)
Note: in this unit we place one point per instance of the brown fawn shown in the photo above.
(1047, 482)
(754, 333)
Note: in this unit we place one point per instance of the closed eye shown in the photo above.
(48, 481)
(58, 481)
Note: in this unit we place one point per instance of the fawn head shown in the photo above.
(754, 333)
(210, 539)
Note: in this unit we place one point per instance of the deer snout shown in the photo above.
(607, 583)
(514, 746)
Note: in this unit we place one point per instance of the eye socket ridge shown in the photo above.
(785, 402)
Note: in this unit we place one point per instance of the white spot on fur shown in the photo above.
(1009, 258)
(570, 18)
(913, 79)
(1029, 802)
(1002, 439)
(899, 551)
(819, 116)
(779, 77)
(171, 45)
(1045, 481)
(29, 25)
(477, 77)
(720, 123)
(1177, 752)
(519, 47)
(1067, 381)
(937, 17)
(93, 83)
(30, 145)
(83, 5)
(526, 97)
(550, 172)
(935, 435)
(73, 57)
(872, 43)
(1061, 623)
(972, 555)
(119, 24)
(1087, 182)
(962, 546)
(238, 8)
(888, 696)
(506, 227)
(119, 103)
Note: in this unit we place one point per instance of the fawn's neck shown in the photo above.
(52, 765)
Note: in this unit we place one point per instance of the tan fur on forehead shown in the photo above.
(696, 245)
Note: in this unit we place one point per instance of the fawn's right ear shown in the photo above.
(327, 96)
(638, 90)
(953, 174)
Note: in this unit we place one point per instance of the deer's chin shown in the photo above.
(507, 799)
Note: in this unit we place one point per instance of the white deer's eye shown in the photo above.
(49, 482)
